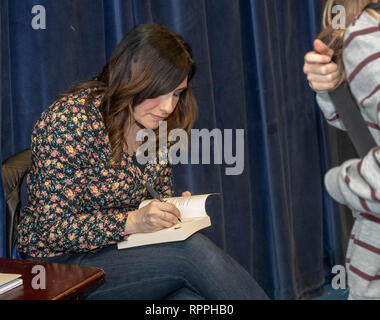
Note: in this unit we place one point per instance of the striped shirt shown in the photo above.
(356, 183)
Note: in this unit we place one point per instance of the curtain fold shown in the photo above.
(5, 105)
(275, 218)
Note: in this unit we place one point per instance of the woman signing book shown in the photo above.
(85, 186)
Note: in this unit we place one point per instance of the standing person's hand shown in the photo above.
(155, 216)
(186, 193)
(322, 73)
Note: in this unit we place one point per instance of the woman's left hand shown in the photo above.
(186, 193)
(322, 73)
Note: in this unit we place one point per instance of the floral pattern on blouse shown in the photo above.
(78, 202)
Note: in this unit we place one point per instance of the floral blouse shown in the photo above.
(78, 202)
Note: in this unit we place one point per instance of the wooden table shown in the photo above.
(62, 281)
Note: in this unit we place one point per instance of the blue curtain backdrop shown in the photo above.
(275, 218)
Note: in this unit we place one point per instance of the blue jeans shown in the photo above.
(192, 269)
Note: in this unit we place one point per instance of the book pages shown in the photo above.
(190, 207)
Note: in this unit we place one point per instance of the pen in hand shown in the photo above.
(155, 194)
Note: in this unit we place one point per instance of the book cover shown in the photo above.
(8, 281)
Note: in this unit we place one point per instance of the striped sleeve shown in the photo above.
(328, 109)
(361, 56)
(356, 183)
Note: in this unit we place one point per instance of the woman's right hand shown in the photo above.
(322, 73)
(155, 216)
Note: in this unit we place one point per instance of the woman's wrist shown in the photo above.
(130, 225)
(315, 90)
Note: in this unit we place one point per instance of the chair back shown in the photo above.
(13, 171)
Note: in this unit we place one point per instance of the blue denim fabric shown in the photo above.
(192, 269)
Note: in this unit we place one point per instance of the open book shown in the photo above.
(193, 219)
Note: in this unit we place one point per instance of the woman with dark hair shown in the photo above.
(85, 184)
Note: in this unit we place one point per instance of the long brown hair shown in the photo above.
(334, 37)
(149, 61)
